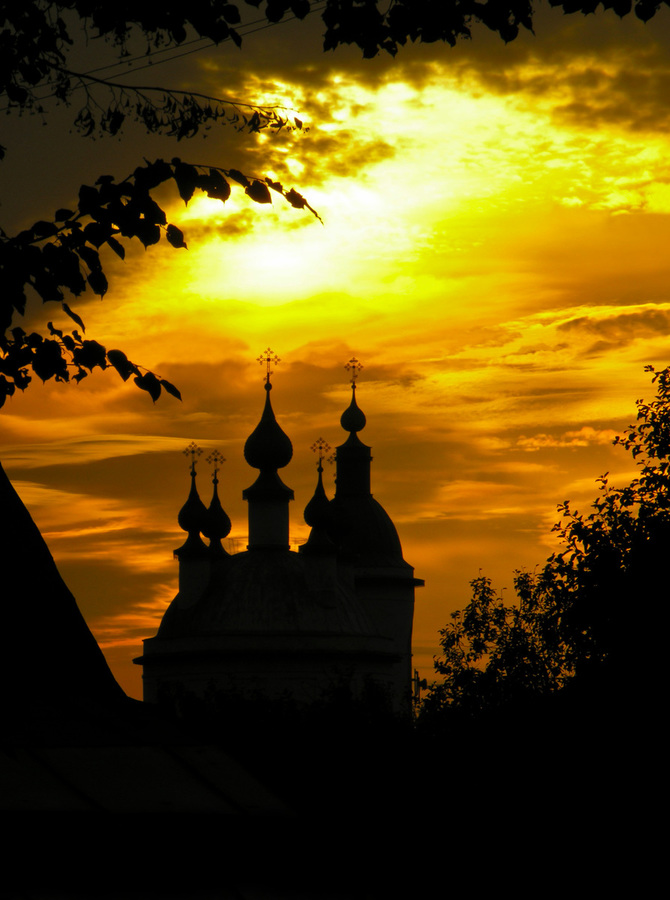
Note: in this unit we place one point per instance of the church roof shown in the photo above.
(47, 647)
(270, 593)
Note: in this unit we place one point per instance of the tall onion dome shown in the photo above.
(193, 514)
(217, 523)
(268, 449)
(360, 527)
(317, 512)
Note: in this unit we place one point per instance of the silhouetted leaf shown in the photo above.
(295, 199)
(170, 388)
(175, 236)
(148, 382)
(48, 361)
(73, 316)
(121, 363)
(118, 248)
(259, 192)
(98, 283)
(231, 13)
(240, 177)
(97, 233)
(90, 257)
(215, 185)
(186, 177)
(148, 233)
(89, 355)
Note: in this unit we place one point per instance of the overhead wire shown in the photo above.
(204, 42)
(120, 69)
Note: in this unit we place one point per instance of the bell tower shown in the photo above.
(367, 539)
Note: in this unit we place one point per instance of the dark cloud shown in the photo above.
(620, 330)
(588, 71)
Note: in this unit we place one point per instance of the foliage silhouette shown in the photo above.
(62, 256)
(571, 628)
(38, 34)
(375, 26)
(59, 258)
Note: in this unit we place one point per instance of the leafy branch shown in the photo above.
(171, 112)
(59, 258)
(35, 41)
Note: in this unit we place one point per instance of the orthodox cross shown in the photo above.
(355, 367)
(269, 357)
(321, 447)
(215, 458)
(194, 452)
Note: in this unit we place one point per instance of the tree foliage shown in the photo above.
(571, 624)
(61, 257)
(375, 26)
(58, 259)
(37, 37)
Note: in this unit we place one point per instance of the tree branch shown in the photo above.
(61, 258)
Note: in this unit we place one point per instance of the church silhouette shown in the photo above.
(269, 622)
(332, 619)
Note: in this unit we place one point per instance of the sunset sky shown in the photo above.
(494, 251)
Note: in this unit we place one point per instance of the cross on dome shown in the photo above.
(353, 418)
(270, 358)
(321, 447)
(355, 368)
(215, 458)
(194, 452)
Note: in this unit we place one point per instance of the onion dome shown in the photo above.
(353, 418)
(359, 526)
(317, 511)
(268, 447)
(193, 514)
(217, 523)
(353, 456)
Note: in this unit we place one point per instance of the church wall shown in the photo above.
(306, 680)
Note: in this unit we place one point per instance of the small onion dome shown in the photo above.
(191, 518)
(217, 523)
(353, 418)
(268, 448)
(316, 511)
(317, 516)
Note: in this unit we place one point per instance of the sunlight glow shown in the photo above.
(497, 257)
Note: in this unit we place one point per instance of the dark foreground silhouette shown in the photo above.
(103, 796)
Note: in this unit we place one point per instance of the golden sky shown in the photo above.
(494, 251)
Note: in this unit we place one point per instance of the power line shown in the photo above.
(203, 43)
